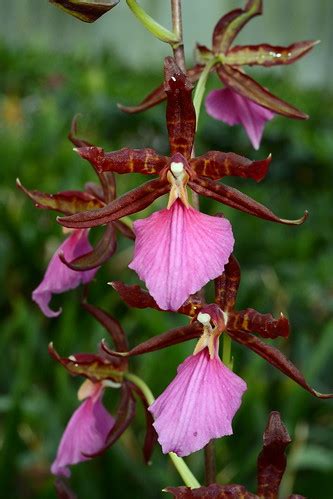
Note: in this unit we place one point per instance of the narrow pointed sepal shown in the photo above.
(134, 296)
(231, 23)
(249, 88)
(111, 325)
(164, 340)
(158, 95)
(234, 198)
(216, 165)
(93, 367)
(180, 113)
(131, 202)
(145, 161)
(67, 202)
(272, 459)
(277, 359)
(99, 255)
(265, 325)
(268, 55)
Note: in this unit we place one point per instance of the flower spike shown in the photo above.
(254, 103)
(271, 465)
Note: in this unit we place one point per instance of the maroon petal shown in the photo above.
(158, 94)
(180, 113)
(272, 460)
(134, 296)
(72, 134)
(151, 435)
(232, 197)
(131, 202)
(83, 10)
(268, 55)
(249, 88)
(63, 490)
(216, 165)
(213, 491)
(226, 286)
(153, 98)
(102, 252)
(90, 366)
(172, 337)
(265, 325)
(145, 161)
(112, 326)
(68, 202)
(229, 25)
(123, 418)
(277, 359)
(124, 229)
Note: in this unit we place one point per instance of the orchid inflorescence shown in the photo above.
(177, 251)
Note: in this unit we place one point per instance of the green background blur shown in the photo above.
(286, 269)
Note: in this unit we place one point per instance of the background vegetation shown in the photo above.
(285, 269)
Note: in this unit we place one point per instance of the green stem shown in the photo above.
(201, 87)
(127, 221)
(226, 354)
(184, 471)
(142, 385)
(151, 25)
(180, 465)
(177, 26)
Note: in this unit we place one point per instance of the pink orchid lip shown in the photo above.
(86, 431)
(178, 250)
(198, 405)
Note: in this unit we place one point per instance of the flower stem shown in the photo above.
(210, 464)
(226, 353)
(201, 87)
(142, 385)
(184, 471)
(177, 26)
(151, 25)
(179, 463)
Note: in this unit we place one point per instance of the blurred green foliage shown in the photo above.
(285, 269)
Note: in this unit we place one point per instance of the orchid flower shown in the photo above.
(91, 429)
(271, 465)
(173, 242)
(201, 401)
(242, 326)
(243, 100)
(75, 262)
(58, 277)
(86, 431)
